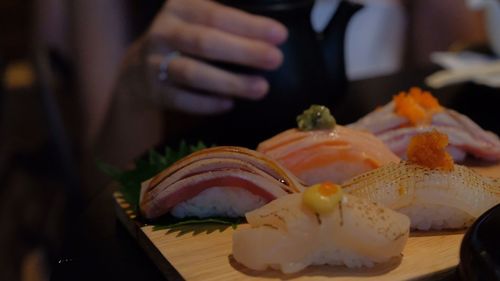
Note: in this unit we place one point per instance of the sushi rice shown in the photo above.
(425, 216)
(219, 202)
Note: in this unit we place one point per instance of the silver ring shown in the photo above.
(162, 72)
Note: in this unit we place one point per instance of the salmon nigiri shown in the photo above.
(329, 153)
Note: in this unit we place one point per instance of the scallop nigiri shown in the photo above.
(433, 191)
(418, 111)
(334, 153)
(220, 181)
(320, 226)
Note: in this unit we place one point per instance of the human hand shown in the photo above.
(202, 30)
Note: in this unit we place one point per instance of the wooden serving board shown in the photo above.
(204, 252)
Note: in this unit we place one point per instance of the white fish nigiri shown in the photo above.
(289, 235)
(432, 198)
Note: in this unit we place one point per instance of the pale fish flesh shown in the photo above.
(433, 198)
(288, 236)
(465, 136)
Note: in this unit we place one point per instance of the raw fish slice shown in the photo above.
(423, 193)
(452, 118)
(460, 141)
(224, 168)
(327, 155)
(380, 120)
(485, 144)
(465, 136)
(289, 236)
(257, 159)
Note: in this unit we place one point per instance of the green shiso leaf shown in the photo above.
(149, 166)
(220, 222)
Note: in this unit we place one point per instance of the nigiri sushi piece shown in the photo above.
(334, 155)
(433, 191)
(418, 111)
(320, 226)
(220, 181)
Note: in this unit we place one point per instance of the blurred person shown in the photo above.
(375, 44)
(124, 102)
(206, 30)
(442, 26)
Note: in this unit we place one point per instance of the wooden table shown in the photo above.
(103, 249)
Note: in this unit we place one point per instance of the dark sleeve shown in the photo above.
(142, 13)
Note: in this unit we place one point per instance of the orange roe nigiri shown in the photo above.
(417, 106)
(429, 150)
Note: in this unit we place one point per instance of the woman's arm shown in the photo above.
(201, 31)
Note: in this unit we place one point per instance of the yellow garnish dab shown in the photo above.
(417, 106)
(429, 150)
(323, 197)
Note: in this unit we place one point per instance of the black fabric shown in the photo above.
(143, 13)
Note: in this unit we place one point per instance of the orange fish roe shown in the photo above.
(429, 150)
(424, 99)
(417, 106)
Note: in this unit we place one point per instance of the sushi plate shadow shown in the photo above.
(319, 271)
(428, 233)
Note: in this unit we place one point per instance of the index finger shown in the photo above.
(229, 19)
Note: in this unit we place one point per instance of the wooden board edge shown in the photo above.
(443, 274)
(124, 215)
(133, 227)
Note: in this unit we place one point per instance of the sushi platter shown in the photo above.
(204, 252)
(389, 197)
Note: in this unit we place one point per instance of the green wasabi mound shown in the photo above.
(316, 117)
